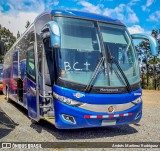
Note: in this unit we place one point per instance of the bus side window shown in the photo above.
(31, 64)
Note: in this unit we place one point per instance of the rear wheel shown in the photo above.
(7, 95)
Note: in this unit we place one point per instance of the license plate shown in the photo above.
(108, 122)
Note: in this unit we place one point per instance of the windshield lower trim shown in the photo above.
(95, 89)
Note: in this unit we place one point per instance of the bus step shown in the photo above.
(48, 117)
(41, 106)
(49, 114)
(50, 120)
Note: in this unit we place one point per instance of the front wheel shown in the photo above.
(33, 121)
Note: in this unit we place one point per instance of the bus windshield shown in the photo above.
(84, 42)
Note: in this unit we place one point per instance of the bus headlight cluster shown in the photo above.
(137, 101)
(67, 100)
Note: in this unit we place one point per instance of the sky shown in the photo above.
(138, 15)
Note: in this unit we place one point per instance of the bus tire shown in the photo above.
(7, 95)
(5, 92)
(33, 121)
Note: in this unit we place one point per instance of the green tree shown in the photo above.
(150, 65)
(7, 38)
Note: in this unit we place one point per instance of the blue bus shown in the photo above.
(76, 70)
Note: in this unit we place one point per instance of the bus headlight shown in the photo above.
(137, 101)
(67, 100)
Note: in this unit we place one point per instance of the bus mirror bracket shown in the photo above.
(52, 30)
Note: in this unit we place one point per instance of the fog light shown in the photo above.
(68, 118)
(137, 116)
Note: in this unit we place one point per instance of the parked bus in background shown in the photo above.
(75, 70)
(1, 74)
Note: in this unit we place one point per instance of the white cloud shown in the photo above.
(144, 8)
(132, 17)
(154, 16)
(50, 3)
(119, 11)
(90, 7)
(136, 29)
(15, 23)
(122, 12)
(148, 3)
(55, 2)
(20, 12)
(17, 6)
(133, 2)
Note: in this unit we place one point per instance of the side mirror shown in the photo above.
(152, 41)
(52, 30)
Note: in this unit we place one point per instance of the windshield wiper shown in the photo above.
(95, 73)
(111, 60)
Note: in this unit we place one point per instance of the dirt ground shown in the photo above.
(151, 98)
(16, 126)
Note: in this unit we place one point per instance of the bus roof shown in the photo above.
(84, 15)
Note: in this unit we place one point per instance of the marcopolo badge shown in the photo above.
(111, 109)
(78, 95)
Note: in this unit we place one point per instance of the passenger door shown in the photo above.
(33, 106)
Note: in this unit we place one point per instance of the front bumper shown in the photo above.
(85, 119)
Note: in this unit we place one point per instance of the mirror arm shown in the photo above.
(153, 42)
